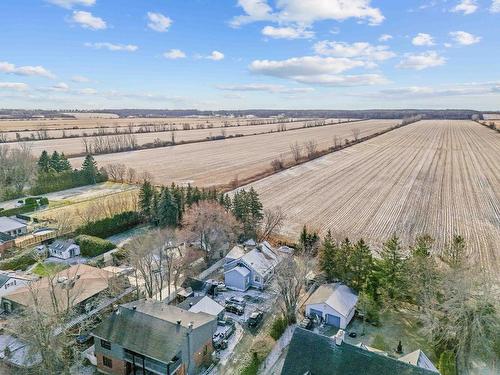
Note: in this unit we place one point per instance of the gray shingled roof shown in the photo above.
(7, 224)
(316, 354)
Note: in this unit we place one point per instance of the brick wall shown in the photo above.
(117, 369)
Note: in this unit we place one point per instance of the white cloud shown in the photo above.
(422, 39)
(495, 6)
(68, 4)
(88, 21)
(16, 86)
(61, 86)
(87, 91)
(159, 22)
(421, 61)
(27, 70)
(174, 54)
(80, 79)
(287, 32)
(465, 6)
(385, 38)
(467, 89)
(358, 49)
(112, 46)
(264, 87)
(316, 70)
(306, 12)
(464, 38)
(216, 56)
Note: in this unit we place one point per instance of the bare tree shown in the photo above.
(296, 150)
(131, 175)
(212, 227)
(271, 223)
(355, 133)
(289, 284)
(86, 144)
(311, 147)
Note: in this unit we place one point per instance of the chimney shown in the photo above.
(339, 337)
(179, 322)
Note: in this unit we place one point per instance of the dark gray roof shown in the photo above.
(4, 237)
(188, 302)
(316, 354)
(7, 224)
(61, 245)
(3, 279)
(143, 334)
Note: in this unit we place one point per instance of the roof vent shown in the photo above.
(134, 307)
(179, 322)
(339, 337)
(190, 304)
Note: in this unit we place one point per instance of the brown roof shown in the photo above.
(78, 282)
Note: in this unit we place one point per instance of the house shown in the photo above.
(64, 249)
(252, 269)
(333, 303)
(12, 226)
(151, 335)
(418, 358)
(203, 304)
(12, 280)
(73, 287)
(312, 353)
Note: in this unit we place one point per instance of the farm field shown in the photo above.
(440, 178)
(219, 162)
(97, 122)
(75, 146)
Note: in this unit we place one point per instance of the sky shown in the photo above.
(249, 54)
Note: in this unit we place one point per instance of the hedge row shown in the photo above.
(91, 246)
(19, 261)
(30, 205)
(112, 225)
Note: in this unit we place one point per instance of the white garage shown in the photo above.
(334, 304)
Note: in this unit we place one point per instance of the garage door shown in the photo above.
(333, 320)
(313, 313)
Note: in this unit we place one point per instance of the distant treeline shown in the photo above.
(361, 114)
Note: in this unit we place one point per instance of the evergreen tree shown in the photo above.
(308, 241)
(155, 209)
(89, 169)
(146, 198)
(64, 164)
(168, 211)
(392, 272)
(44, 162)
(189, 195)
(360, 265)
(227, 202)
(55, 162)
(342, 260)
(327, 255)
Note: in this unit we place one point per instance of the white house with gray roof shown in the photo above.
(12, 226)
(64, 249)
(253, 269)
(335, 304)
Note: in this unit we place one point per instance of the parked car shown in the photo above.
(235, 309)
(221, 288)
(306, 323)
(255, 318)
(236, 301)
(219, 342)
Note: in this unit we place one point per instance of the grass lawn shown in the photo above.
(46, 269)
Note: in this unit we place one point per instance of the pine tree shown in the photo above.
(155, 209)
(89, 169)
(44, 162)
(64, 164)
(168, 210)
(55, 162)
(360, 265)
(227, 202)
(145, 199)
(392, 271)
(326, 255)
(189, 195)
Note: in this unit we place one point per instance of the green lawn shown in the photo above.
(46, 269)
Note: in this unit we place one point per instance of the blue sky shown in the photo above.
(243, 54)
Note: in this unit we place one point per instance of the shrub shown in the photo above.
(112, 225)
(91, 246)
(277, 164)
(20, 261)
(278, 328)
(379, 343)
(447, 363)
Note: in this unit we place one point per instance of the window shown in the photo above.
(107, 362)
(105, 344)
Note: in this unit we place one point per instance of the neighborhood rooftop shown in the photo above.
(315, 354)
(338, 296)
(8, 224)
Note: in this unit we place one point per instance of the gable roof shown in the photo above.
(261, 259)
(418, 358)
(339, 297)
(235, 253)
(207, 305)
(315, 354)
(7, 224)
(61, 245)
(85, 281)
(7, 275)
(243, 271)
